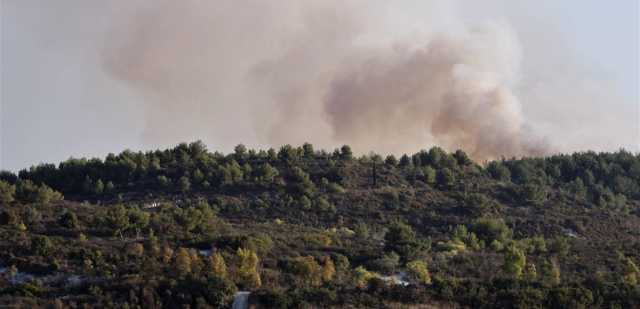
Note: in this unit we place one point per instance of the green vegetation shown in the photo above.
(300, 227)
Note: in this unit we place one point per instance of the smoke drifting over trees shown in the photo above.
(324, 72)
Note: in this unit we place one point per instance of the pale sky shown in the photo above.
(56, 101)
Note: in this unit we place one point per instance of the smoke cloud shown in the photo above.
(323, 72)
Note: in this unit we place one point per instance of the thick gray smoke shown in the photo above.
(324, 72)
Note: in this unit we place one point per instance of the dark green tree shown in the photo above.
(267, 173)
(163, 181)
(533, 193)
(109, 187)
(405, 161)
(346, 153)
(391, 160)
(117, 219)
(98, 187)
(308, 150)
(184, 184)
(401, 238)
(489, 229)
(462, 158)
(240, 152)
(498, 171)
(301, 182)
(445, 178)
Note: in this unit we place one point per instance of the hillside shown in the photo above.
(303, 228)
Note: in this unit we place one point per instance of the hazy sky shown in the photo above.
(579, 79)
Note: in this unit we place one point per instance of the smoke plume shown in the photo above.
(323, 72)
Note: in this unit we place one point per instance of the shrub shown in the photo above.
(7, 192)
(361, 277)
(69, 220)
(41, 245)
(489, 229)
(419, 272)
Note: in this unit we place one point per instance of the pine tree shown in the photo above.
(7, 192)
(530, 272)
(550, 273)
(184, 184)
(514, 262)
(429, 175)
(631, 272)
(196, 262)
(308, 269)
(361, 277)
(163, 181)
(445, 178)
(183, 262)
(167, 254)
(346, 153)
(69, 220)
(152, 244)
(98, 187)
(308, 150)
(248, 268)
(12, 271)
(391, 160)
(217, 266)
(117, 218)
(109, 187)
(267, 173)
(328, 269)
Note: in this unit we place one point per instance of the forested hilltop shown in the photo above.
(300, 228)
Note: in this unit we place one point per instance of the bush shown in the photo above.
(401, 238)
(534, 194)
(308, 269)
(41, 245)
(388, 263)
(336, 188)
(324, 205)
(69, 220)
(216, 292)
(419, 272)
(489, 229)
(275, 299)
(7, 192)
(361, 277)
